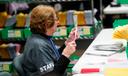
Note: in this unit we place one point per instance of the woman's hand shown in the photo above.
(69, 49)
(72, 36)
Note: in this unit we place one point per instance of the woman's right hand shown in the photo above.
(69, 49)
(73, 36)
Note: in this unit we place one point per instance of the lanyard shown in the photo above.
(55, 49)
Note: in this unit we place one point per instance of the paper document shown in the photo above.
(93, 74)
(101, 53)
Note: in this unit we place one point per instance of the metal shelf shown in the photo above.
(39, 1)
(56, 0)
(85, 37)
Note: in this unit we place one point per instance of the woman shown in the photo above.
(41, 58)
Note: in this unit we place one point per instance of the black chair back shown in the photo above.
(17, 62)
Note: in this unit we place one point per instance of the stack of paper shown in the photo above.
(107, 48)
(121, 32)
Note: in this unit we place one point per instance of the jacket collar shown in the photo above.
(44, 35)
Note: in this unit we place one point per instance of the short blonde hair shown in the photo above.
(42, 17)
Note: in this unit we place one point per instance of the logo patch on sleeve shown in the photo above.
(47, 67)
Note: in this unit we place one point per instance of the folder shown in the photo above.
(116, 69)
(116, 72)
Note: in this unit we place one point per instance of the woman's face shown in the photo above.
(51, 30)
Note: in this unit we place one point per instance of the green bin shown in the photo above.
(122, 1)
(12, 34)
(27, 33)
(4, 34)
(120, 22)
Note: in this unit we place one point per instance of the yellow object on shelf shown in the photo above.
(4, 54)
(3, 18)
(62, 18)
(80, 17)
(21, 20)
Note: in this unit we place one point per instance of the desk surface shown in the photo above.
(123, 9)
(92, 61)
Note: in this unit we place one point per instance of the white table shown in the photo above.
(123, 9)
(92, 61)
